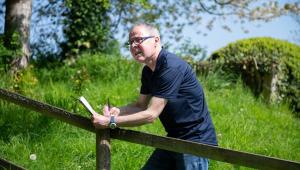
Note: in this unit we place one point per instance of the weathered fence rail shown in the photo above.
(167, 143)
(5, 164)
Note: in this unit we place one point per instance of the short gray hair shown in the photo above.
(152, 29)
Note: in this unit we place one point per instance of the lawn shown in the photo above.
(242, 122)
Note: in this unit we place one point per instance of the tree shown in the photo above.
(2, 7)
(76, 26)
(86, 26)
(47, 30)
(17, 23)
(163, 13)
(296, 32)
(166, 13)
(123, 14)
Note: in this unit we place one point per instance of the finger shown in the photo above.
(106, 110)
(94, 114)
(114, 111)
(92, 117)
(96, 123)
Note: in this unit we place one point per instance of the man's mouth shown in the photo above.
(138, 53)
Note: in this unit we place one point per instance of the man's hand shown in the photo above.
(112, 111)
(100, 121)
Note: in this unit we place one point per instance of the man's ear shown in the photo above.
(157, 39)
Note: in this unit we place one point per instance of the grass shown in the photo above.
(247, 124)
(242, 122)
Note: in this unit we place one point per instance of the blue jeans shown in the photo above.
(167, 160)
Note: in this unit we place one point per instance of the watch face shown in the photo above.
(112, 125)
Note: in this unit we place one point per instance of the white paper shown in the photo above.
(86, 105)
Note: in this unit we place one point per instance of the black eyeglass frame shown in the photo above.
(141, 40)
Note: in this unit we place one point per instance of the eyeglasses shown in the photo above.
(138, 40)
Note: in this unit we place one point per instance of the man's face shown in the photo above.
(142, 44)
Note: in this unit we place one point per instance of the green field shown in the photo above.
(242, 122)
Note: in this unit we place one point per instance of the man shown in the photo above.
(170, 91)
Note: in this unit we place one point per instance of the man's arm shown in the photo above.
(143, 116)
(140, 105)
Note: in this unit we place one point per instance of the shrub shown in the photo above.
(24, 81)
(108, 67)
(87, 27)
(105, 68)
(259, 59)
(8, 54)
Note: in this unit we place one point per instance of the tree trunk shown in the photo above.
(17, 20)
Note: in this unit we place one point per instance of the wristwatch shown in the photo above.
(112, 122)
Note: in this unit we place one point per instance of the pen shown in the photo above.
(108, 104)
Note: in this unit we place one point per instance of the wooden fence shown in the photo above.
(5, 164)
(167, 143)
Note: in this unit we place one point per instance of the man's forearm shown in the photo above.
(140, 113)
(130, 109)
(135, 119)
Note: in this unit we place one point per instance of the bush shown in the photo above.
(109, 67)
(87, 27)
(257, 58)
(8, 54)
(105, 68)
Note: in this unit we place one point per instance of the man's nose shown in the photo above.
(133, 45)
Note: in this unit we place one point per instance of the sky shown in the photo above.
(279, 28)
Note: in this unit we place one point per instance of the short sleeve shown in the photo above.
(168, 83)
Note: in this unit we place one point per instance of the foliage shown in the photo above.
(189, 50)
(87, 26)
(5, 56)
(265, 56)
(88, 67)
(61, 146)
(194, 54)
(108, 68)
(80, 80)
(166, 13)
(244, 123)
(48, 17)
(66, 28)
(47, 30)
(24, 81)
(9, 51)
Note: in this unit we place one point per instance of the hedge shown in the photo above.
(265, 56)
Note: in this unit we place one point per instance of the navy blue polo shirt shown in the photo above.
(185, 115)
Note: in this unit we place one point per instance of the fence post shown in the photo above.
(103, 149)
